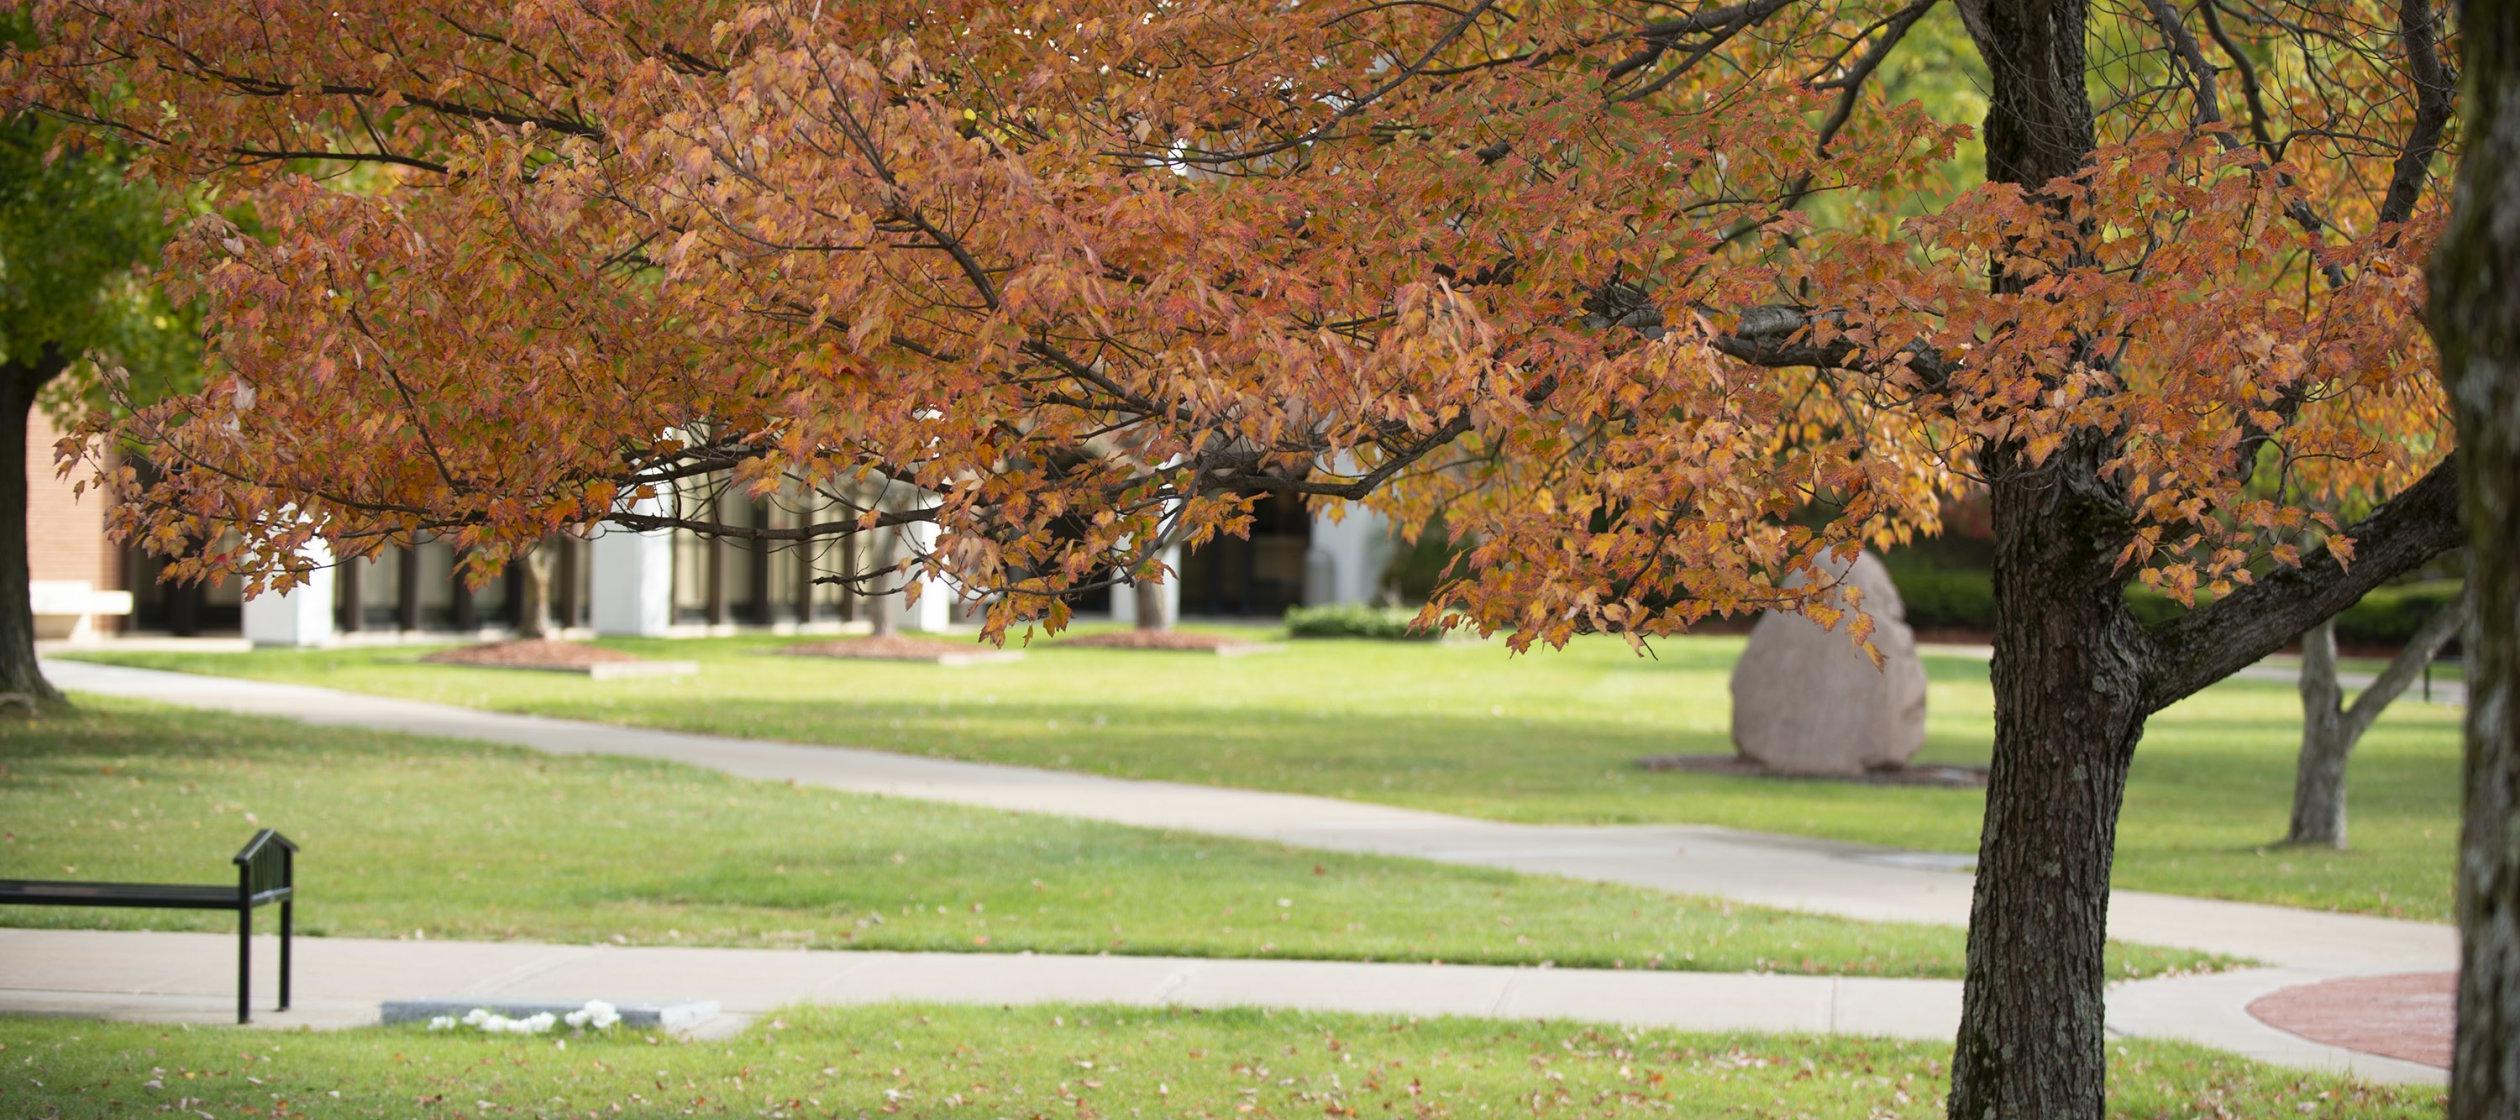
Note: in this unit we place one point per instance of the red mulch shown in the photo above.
(2409, 1016)
(534, 653)
(1959, 777)
(892, 647)
(1160, 639)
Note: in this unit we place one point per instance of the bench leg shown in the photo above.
(244, 964)
(286, 920)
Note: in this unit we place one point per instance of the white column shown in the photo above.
(302, 617)
(630, 577)
(1124, 598)
(1348, 553)
(1124, 594)
(934, 612)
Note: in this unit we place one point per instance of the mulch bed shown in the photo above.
(532, 653)
(905, 647)
(1181, 640)
(1949, 777)
(2410, 1016)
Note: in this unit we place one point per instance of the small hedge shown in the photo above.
(1355, 620)
(2391, 615)
(1946, 598)
(1939, 598)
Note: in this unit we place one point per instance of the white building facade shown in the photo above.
(672, 583)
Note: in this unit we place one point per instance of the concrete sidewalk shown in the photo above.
(188, 977)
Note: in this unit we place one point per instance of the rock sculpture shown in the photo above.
(1807, 701)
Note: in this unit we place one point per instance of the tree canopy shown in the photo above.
(1616, 289)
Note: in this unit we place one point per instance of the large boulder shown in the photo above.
(1807, 701)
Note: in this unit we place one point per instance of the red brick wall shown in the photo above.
(65, 537)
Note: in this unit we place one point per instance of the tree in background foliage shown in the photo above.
(71, 233)
(2476, 320)
(1660, 305)
(2331, 726)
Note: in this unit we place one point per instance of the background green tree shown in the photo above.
(72, 233)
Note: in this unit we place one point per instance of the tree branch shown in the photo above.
(2435, 96)
(2210, 643)
(717, 527)
(1778, 336)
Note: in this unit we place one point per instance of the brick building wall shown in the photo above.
(65, 536)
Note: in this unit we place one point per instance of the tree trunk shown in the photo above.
(2069, 671)
(2330, 727)
(2318, 809)
(2069, 677)
(20, 676)
(1153, 611)
(533, 610)
(2476, 321)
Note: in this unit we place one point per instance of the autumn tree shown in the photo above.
(2476, 321)
(71, 233)
(1659, 305)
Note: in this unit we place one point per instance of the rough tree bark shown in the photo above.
(2476, 321)
(2069, 706)
(2330, 727)
(19, 382)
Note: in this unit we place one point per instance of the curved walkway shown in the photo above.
(2299, 946)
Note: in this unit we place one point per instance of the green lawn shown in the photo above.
(1465, 727)
(409, 837)
(1082, 1062)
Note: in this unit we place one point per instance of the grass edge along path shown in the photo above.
(407, 836)
(1086, 1061)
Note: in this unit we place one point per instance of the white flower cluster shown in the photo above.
(596, 1014)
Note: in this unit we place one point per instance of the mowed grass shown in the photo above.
(1551, 736)
(932, 1061)
(408, 837)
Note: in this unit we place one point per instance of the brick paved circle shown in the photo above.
(2407, 1016)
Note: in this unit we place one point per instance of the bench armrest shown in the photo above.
(266, 867)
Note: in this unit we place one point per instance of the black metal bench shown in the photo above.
(265, 872)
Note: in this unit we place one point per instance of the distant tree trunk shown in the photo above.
(20, 676)
(533, 615)
(2318, 808)
(1153, 610)
(2476, 322)
(2330, 727)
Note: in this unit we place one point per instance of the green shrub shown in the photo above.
(2152, 608)
(1416, 569)
(1356, 620)
(2391, 615)
(1946, 598)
